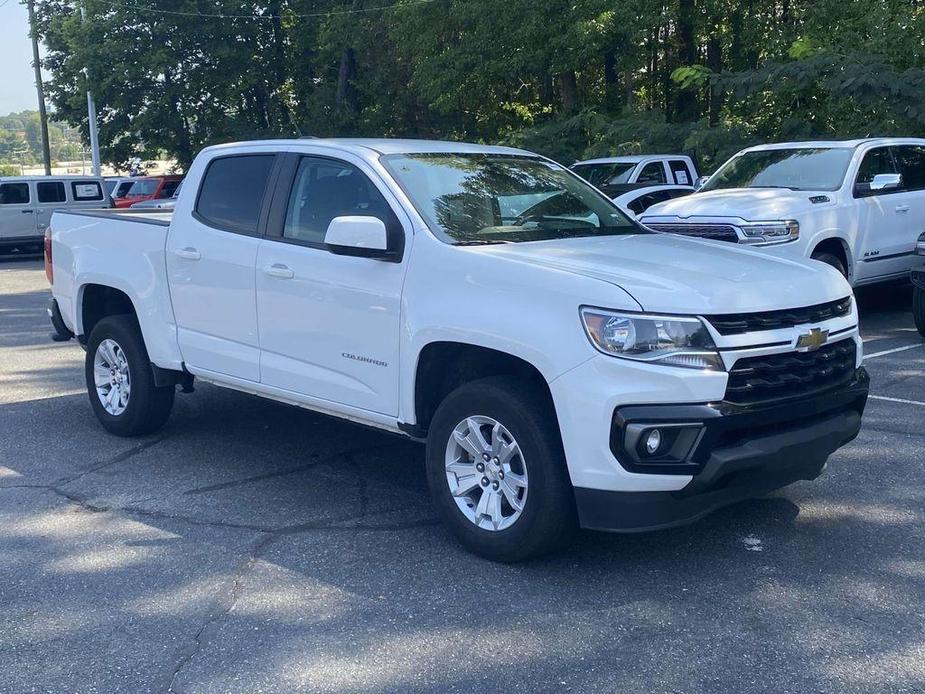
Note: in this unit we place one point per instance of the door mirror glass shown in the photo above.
(701, 182)
(356, 235)
(889, 181)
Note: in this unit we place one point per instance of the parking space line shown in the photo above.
(892, 351)
(899, 400)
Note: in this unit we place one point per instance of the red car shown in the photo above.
(149, 188)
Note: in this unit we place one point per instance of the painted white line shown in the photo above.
(899, 400)
(892, 351)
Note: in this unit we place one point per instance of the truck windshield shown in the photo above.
(498, 198)
(800, 168)
(605, 174)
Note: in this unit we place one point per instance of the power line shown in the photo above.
(203, 15)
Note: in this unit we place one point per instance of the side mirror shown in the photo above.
(886, 181)
(700, 182)
(366, 237)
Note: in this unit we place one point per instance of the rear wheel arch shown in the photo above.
(98, 301)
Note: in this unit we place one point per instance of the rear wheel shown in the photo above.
(833, 260)
(918, 309)
(497, 472)
(120, 382)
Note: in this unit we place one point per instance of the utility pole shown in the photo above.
(40, 88)
(91, 114)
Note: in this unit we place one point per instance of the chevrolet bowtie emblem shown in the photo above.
(814, 339)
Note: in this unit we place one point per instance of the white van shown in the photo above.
(26, 204)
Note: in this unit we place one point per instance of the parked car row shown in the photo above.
(564, 365)
(128, 192)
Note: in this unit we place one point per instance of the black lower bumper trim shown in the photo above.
(745, 453)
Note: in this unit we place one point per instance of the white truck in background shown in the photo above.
(857, 205)
(564, 365)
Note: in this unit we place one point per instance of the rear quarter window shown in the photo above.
(86, 191)
(232, 192)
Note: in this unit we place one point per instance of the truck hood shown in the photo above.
(746, 204)
(665, 273)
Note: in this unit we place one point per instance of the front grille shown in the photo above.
(739, 323)
(714, 232)
(792, 374)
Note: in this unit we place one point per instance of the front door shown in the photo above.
(329, 324)
(211, 256)
(17, 211)
(883, 220)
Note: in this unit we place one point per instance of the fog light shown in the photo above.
(653, 441)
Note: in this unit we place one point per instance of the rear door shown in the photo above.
(50, 195)
(17, 211)
(211, 256)
(910, 160)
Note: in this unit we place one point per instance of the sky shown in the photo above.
(17, 86)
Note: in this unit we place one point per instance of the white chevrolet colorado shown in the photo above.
(564, 365)
(857, 205)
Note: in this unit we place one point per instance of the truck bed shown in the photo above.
(157, 217)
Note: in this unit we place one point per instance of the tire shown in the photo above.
(145, 407)
(833, 260)
(918, 309)
(547, 519)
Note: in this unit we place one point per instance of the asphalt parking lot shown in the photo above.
(255, 547)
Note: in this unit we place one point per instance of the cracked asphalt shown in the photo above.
(255, 547)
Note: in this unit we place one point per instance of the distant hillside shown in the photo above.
(21, 140)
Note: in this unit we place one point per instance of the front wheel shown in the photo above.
(918, 309)
(833, 260)
(497, 472)
(120, 382)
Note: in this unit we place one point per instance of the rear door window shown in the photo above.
(653, 172)
(910, 160)
(50, 191)
(86, 191)
(14, 194)
(232, 192)
(681, 172)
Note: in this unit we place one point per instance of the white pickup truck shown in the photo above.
(564, 365)
(857, 205)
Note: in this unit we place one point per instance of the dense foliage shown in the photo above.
(21, 141)
(567, 78)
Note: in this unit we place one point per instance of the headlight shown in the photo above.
(920, 245)
(771, 232)
(668, 340)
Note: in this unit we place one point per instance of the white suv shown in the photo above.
(857, 205)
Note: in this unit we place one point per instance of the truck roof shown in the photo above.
(384, 146)
(837, 144)
(42, 177)
(634, 159)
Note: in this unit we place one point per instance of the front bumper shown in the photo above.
(742, 452)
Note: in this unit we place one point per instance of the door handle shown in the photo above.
(902, 208)
(188, 253)
(28, 211)
(279, 270)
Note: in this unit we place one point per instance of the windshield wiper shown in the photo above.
(483, 242)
